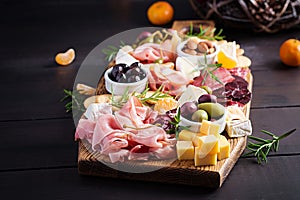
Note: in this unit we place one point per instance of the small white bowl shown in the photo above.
(198, 59)
(195, 126)
(119, 88)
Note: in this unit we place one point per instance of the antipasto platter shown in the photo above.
(173, 108)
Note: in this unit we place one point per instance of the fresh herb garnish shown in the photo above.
(75, 101)
(119, 102)
(111, 51)
(158, 94)
(262, 147)
(208, 70)
(202, 33)
(176, 127)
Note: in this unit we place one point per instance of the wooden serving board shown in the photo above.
(178, 172)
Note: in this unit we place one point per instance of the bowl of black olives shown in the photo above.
(122, 77)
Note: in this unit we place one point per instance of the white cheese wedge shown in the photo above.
(192, 93)
(123, 56)
(239, 128)
(189, 70)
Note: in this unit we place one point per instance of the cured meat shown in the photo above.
(240, 71)
(118, 156)
(174, 82)
(128, 134)
(236, 92)
(96, 109)
(222, 74)
(105, 125)
(85, 130)
(151, 52)
(166, 152)
(135, 114)
(150, 137)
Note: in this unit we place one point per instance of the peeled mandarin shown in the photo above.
(65, 58)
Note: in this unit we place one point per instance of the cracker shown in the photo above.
(243, 61)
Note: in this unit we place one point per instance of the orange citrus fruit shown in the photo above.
(160, 13)
(290, 52)
(165, 104)
(227, 55)
(65, 58)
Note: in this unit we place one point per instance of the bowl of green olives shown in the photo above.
(206, 108)
(122, 77)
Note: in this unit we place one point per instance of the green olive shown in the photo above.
(199, 115)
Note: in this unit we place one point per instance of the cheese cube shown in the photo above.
(201, 159)
(224, 148)
(208, 144)
(186, 135)
(185, 150)
(209, 128)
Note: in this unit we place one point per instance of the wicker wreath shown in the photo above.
(261, 15)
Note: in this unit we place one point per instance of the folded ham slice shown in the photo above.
(174, 82)
(126, 134)
(222, 74)
(151, 52)
(107, 125)
(85, 130)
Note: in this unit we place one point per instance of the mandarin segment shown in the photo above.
(65, 58)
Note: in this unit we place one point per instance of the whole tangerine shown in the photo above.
(290, 52)
(160, 13)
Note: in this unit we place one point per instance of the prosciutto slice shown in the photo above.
(222, 74)
(126, 134)
(135, 114)
(85, 130)
(151, 52)
(173, 81)
(107, 125)
(96, 109)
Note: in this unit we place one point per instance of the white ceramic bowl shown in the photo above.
(195, 126)
(120, 88)
(197, 59)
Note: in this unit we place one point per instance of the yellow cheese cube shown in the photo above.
(186, 135)
(224, 148)
(185, 150)
(201, 159)
(208, 144)
(209, 128)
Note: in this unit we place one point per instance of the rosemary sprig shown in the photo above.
(176, 127)
(75, 101)
(262, 147)
(202, 33)
(111, 51)
(208, 70)
(158, 94)
(119, 102)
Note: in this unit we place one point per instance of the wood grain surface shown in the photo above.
(37, 149)
(178, 172)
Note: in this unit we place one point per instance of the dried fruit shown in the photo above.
(160, 13)
(290, 52)
(65, 58)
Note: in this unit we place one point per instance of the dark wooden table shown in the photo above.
(38, 154)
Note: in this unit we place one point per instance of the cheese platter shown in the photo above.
(175, 110)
